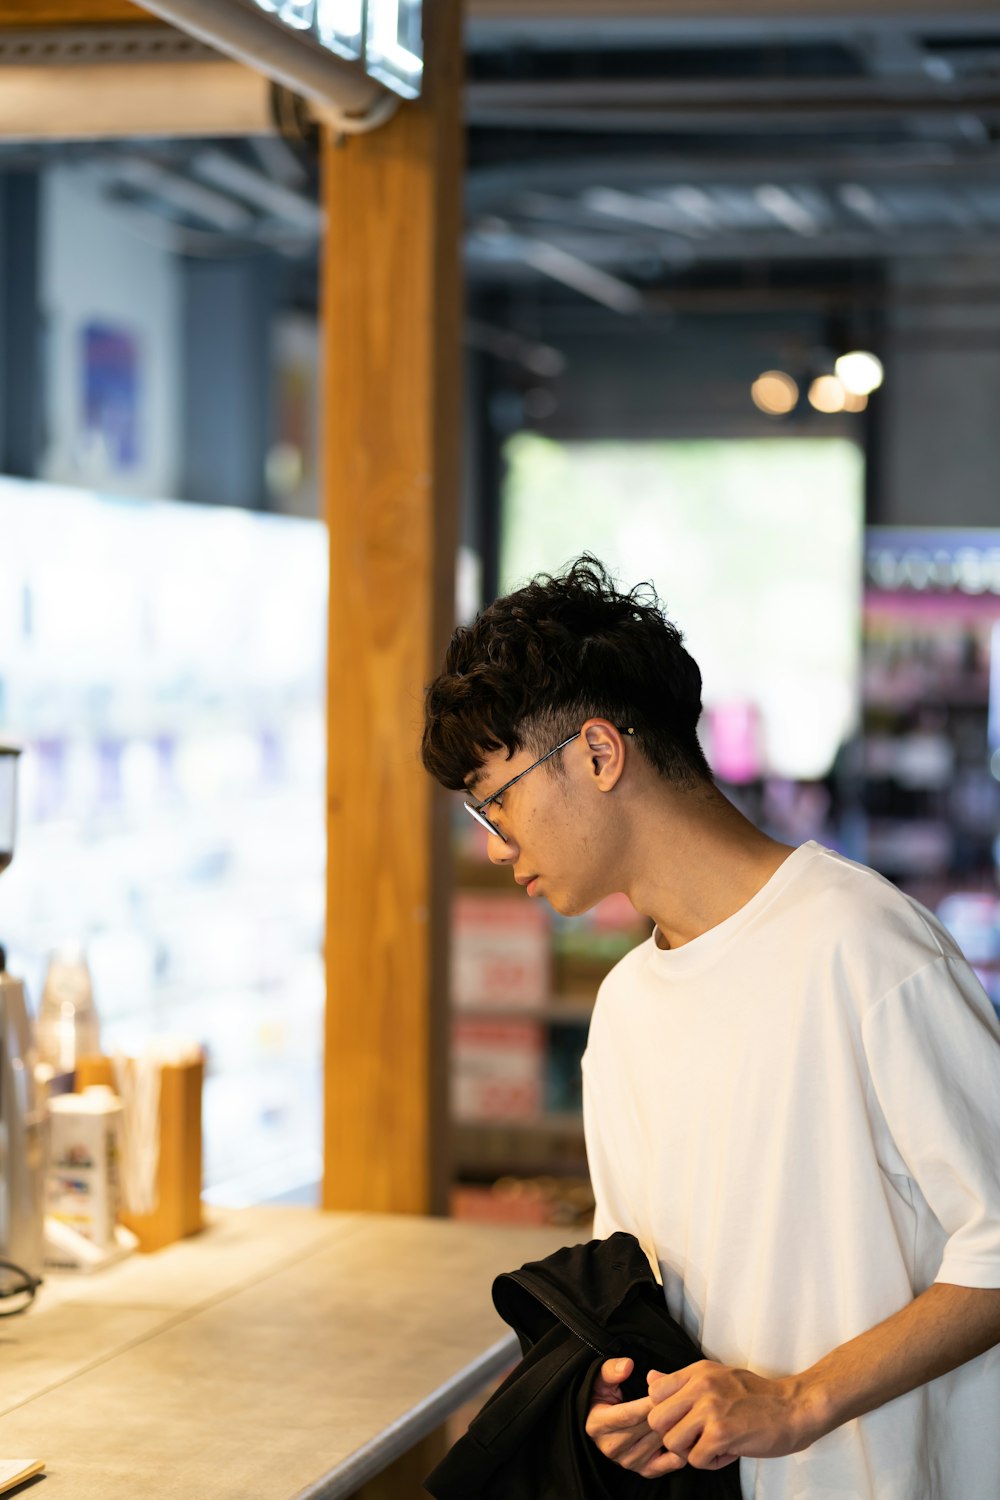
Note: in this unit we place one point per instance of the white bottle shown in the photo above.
(67, 1027)
(84, 1151)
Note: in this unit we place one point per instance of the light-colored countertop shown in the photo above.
(283, 1354)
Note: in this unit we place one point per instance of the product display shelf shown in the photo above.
(521, 1008)
(552, 1146)
(921, 771)
(919, 784)
(555, 1012)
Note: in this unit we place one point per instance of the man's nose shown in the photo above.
(499, 852)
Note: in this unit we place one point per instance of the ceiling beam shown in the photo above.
(773, 94)
(762, 248)
(832, 16)
(144, 99)
(70, 13)
(920, 163)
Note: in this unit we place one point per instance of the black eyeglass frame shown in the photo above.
(475, 809)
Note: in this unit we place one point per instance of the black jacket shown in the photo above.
(571, 1312)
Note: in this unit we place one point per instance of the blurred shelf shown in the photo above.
(556, 1013)
(479, 874)
(561, 1123)
(901, 696)
(550, 1144)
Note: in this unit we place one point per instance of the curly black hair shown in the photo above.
(538, 662)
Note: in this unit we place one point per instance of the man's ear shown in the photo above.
(605, 750)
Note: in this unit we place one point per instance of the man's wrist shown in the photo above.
(813, 1406)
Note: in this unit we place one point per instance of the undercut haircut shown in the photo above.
(537, 663)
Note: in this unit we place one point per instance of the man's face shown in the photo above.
(551, 824)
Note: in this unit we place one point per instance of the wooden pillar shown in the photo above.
(391, 309)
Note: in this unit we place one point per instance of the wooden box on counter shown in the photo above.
(178, 1176)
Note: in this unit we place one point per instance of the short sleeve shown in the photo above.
(933, 1050)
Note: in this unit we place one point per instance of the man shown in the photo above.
(791, 1089)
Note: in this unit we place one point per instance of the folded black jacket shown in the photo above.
(571, 1312)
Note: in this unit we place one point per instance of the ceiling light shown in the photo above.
(272, 36)
(827, 394)
(295, 13)
(863, 202)
(245, 182)
(787, 208)
(339, 25)
(774, 393)
(859, 372)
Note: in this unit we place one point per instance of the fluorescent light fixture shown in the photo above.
(386, 33)
(340, 26)
(863, 202)
(637, 209)
(295, 13)
(697, 204)
(189, 197)
(269, 35)
(253, 187)
(786, 207)
(394, 48)
(570, 270)
(298, 14)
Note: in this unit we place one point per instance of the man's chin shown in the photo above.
(568, 905)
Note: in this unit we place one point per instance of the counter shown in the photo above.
(283, 1354)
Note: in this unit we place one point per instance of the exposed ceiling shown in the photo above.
(659, 148)
(621, 157)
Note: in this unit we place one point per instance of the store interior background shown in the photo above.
(657, 211)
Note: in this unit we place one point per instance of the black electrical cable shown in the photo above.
(28, 1290)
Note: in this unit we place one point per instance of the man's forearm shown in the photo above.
(712, 1414)
(942, 1328)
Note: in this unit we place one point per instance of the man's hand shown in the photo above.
(712, 1415)
(620, 1428)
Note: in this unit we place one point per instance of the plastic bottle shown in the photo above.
(67, 1026)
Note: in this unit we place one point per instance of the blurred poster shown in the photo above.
(111, 395)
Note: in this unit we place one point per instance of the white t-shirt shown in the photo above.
(798, 1115)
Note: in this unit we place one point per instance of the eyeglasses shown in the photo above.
(475, 809)
(25, 1286)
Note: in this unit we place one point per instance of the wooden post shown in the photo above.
(391, 309)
